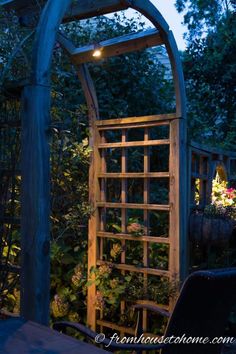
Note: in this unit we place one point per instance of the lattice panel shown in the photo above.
(136, 209)
(9, 195)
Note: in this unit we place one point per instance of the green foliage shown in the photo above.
(70, 213)
(113, 287)
(202, 16)
(210, 69)
(129, 84)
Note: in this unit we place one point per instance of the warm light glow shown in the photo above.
(97, 53)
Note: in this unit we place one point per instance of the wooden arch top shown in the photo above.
(56, 12)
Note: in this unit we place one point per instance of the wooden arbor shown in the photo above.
(35, 155)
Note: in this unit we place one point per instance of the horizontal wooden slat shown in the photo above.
(152, 303)
(133, 206)
(135, 175)
(135, 143)
(130, 120)
(117, 46)
(131, 268)
(134, 125)
(116, 327)
(120, 236)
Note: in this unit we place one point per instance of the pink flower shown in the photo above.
(230, 193)
(230, 190)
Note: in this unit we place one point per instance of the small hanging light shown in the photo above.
(97, 51)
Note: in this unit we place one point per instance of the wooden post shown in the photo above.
(35, 205)
(178, 201)
(94, 190)
(35, 235)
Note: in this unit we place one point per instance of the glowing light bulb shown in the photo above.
(97, 53)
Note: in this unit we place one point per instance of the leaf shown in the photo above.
(90, 282)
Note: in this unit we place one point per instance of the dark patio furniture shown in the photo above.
(202, 310)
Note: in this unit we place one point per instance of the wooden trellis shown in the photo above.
(157, 141)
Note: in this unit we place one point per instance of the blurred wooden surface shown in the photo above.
(26, 337)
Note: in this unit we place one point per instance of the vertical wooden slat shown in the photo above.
(94, 188)
(146, 221)
(123, 191)
(178, 201)
(123, 211)
(103, 191)
(174, 225)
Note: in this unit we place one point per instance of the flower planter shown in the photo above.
(205, 229)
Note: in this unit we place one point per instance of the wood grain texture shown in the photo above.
(35, 240)
(132, 120)
(134, 206)
(94, 188)
(178, 200)
(134, 143)
(134, 175)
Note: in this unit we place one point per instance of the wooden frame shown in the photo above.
(35, 156)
